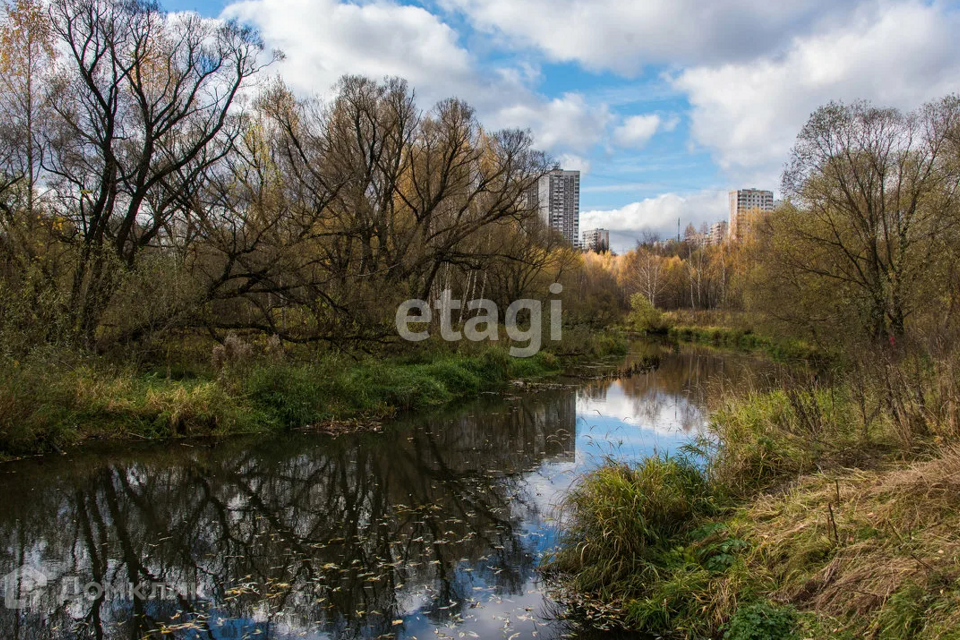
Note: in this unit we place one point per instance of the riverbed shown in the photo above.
(432, 528)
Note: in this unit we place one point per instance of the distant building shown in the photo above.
(718, 232)
(557, 196)
(693, 237)
(596, 240)
(744, 203)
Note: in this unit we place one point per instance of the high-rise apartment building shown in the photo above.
(596, 240)
(558, 199)
(743, 204)
(718, 232)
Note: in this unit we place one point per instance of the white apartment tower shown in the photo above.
(597, 240)
(742, 203)
(718, 232)
(558, 199)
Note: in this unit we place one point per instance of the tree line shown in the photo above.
(865, 246)
(155, 178)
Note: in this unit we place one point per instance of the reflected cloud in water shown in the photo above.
(433, 528)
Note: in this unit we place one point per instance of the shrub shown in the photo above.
(645, 317)
(762, 621)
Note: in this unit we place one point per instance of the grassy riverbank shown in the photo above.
(735, 331)
(42, 410)
(717, 328)
(822, 512)
(50, 403)
(744, 340)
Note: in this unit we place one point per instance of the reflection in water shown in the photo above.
(434, 527)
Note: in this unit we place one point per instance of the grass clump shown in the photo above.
(623, 519)
(819, 511)
(632, 549)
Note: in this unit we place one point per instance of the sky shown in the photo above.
(663, 105)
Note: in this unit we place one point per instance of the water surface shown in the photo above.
(431, 529)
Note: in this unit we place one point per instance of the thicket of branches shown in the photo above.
(153, 179)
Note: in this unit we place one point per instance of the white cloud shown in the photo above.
(749, 114)
(623, 187)
(567, 122)
(624, 35)
(325, 39)
(573, 162)
(658, 215)
(670, 123)
(636, 131)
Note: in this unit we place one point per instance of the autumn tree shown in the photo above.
(874, 195)
(147, 102)
(643, 273)
(26, 57)
(325, 216)
(30, 257)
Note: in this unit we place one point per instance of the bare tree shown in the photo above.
(874, 195)
(646, 277)
(332, 214)
(146, 103)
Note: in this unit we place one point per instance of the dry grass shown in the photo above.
(836, 501)
(870, 553)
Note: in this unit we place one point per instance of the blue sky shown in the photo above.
(664, 105)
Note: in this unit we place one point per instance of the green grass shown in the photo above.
(623, 519)
(760, 439)
(746, 340)
(47, 406)
(623, 547)
(586, 343)
(658, 547)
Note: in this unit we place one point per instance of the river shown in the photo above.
(432, 528)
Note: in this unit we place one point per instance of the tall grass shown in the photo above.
(759, 439)
(745, 339)
(622, 520)
(632, 550)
